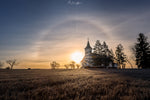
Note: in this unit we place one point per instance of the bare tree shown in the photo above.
(72, 65)
(78, 66)
(12, 63)
(1, 64)
(67, 66)
(54, 65)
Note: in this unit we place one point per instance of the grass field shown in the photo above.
(81, 84)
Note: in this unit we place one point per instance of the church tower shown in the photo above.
(87, 60)
(88, 49)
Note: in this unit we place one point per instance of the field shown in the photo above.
(79, 84)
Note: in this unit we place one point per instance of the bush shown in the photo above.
(8, 68)
(29, 68)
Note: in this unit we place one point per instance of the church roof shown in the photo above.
(88, 45)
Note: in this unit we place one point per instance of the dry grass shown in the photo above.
(83, 84)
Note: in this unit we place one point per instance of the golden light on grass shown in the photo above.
(77, 56)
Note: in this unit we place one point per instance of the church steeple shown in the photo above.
(88, 49)
(88, 58)
(88, 45)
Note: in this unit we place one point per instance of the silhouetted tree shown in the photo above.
(12, 63)
(111, 57)
(66, 66)
(142, 51)
(54, 65)
(72, 65)
(1, 64)
(97, 48)
(107, 54)
(102, 55)
(120, 56)
(105, 49)
(78, 66)
(97, 60)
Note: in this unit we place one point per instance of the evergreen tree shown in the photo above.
(112, 54)
(103, 56)
(112, 57)
(105, 49)
(120, 56)
(107, 55)
(142, 52)
(97, 48)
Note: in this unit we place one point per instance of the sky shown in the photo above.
(36, 32)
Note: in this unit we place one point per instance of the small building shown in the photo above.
(88, 59)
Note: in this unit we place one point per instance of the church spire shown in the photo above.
(88, 45)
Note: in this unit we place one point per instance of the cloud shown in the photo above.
(73, 2)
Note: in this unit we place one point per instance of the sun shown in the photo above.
(77, 56)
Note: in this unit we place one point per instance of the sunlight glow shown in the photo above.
(77, 57)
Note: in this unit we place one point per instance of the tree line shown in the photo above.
(141, 50)
(103, 56)
(71, 65)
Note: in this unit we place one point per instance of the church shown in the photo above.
(88, 59)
